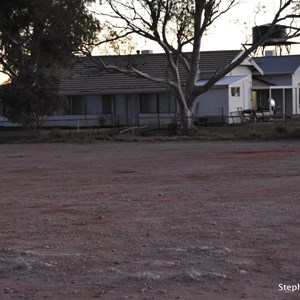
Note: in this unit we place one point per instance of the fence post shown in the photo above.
(132, 126)
(222, 116)
(78, 127)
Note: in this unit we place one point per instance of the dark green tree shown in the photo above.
(36, 38)
(31, 96)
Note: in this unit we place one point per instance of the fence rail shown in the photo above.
(235, 118)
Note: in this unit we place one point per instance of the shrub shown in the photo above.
(296, 133)
(280, 129)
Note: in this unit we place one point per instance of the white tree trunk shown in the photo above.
(186, 119)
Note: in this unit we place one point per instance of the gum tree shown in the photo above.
(174, 24)
(36, 36)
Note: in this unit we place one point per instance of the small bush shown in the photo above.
(296, 133)
(280, 130)
(56, 133)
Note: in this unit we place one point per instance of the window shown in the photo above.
(87, 105)
(93, 105)
(1, 108)
(148, 103)
(77, 105)
(235, 91)
(107, 104)
(157, 103)
(166, 104)
(65, 107)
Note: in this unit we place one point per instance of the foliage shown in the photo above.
(262, 131)
(40, 32)
(30, 97)
(280, 130)
(35, 37)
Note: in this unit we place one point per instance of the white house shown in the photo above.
(95, 96)
(281, 81)
(229, 95)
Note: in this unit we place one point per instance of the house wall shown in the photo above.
(78, 121)
(239, 102)
(245, 100)
(235, 101)
(213, 104)
(283, 79)
(296, 77)
(159, 120)
(297, 101)
(4, 122)
(296, 96)
(248, 101)
(246, 72)
(241, 71)
(115, 110)
(225, 101)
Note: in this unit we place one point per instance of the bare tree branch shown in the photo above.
(173, 24)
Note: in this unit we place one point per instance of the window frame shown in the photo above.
(235, 91)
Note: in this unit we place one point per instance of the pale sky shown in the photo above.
(233, 28)
(229, 34)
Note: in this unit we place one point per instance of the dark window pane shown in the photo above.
(93, 105)
(77, 105)
(107, 104)
(148, 103)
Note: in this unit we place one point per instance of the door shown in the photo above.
(132, 109)
(121, 110)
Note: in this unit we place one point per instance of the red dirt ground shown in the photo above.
(168, 220)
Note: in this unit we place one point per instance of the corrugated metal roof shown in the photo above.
(225, 81)
(287, 64)
(85, 77)
(259, 82)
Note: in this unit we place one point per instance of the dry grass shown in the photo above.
(290, 129)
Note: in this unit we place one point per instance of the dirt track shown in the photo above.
(175, 220)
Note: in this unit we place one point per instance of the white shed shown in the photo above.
(227, 96)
